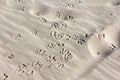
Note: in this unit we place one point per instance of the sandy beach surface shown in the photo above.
(59, 39)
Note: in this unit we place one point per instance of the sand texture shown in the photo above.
(59, 39)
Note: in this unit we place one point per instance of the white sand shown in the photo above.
(59, 39)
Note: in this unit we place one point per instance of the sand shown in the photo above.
(59, 39)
